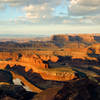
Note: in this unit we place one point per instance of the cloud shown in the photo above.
(42, 11)
(28, 2)
(84, 7)
(2, 6)
(92, 3)
(54, 12)
(34, 9)
(95, 19)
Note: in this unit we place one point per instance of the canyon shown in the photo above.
(54, 64)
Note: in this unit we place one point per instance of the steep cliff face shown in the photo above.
(60, 40)
(60, 37)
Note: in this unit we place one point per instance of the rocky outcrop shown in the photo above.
(34, 60)
(58, 74)
(49, 57)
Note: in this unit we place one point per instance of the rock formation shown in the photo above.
(34, 60)
(87, 37)
(49, 57)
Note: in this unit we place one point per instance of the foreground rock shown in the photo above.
(83, 89)
(47, 94)
(5, 77)
(14, 92)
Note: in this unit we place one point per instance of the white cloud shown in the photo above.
(29, 8)
(66, 21)
(32, 16)
(39, 12)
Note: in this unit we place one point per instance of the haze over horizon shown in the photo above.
(41, 17)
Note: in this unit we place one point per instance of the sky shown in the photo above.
(46, 17)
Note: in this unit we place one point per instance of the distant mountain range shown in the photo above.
(22, 35)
